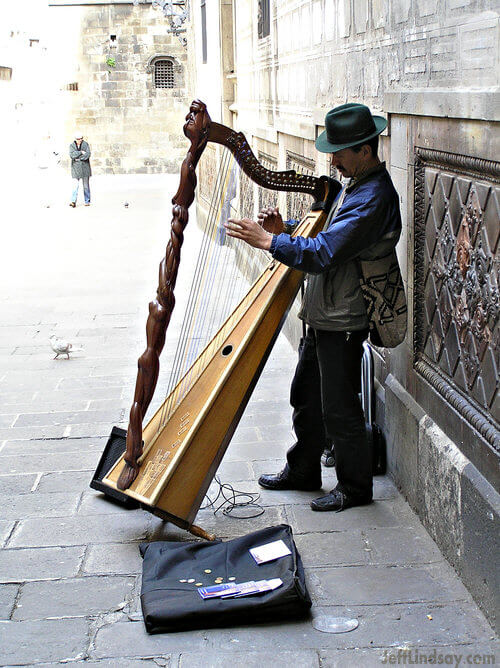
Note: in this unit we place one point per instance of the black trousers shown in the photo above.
(326, 409)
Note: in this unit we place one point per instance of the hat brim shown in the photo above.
(324, 146)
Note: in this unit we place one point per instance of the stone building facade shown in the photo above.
(122, 81)
(272, 68)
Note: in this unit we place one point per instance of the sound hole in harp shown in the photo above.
(227, 350)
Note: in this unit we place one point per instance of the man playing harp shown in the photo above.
(365, 223)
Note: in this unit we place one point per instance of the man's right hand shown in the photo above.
(271, 220)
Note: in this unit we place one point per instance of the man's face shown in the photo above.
(347, 161)
(79, 141)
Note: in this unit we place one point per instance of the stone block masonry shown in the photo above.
(117, 107)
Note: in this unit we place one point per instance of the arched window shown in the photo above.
(164, 74)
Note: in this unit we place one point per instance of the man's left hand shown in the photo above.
(249, 231)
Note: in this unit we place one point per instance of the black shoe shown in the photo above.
(284, 480)
(337, 500)
(72, 204)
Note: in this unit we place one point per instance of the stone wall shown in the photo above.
(132, 126)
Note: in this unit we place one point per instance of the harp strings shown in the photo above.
(218, 284)
(187, 344)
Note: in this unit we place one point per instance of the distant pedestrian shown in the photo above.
(79, 152)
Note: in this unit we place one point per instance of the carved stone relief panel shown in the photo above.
(457, 280)
(298, 204)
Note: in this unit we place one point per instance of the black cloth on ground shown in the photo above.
(170, 605)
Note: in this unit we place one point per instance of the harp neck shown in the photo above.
(288, 180)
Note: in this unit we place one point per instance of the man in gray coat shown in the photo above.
(79, 152)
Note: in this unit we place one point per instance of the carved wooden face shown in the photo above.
(197, 121)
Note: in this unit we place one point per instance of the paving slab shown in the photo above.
(325, 549)
(129, 639)
(42, 462)
(466, 654)
(380, 514)
(372, 585)
(17, 484)
(27, 433)
(81, 530)
(216, 659)
(121, 558)
(35, 504)
(101, 429)
(23, 565)
(54, 446)
(234, 471)
(6, 529)
(32, 642)
(96, 503)
(8, 594)
(64, 481)
(73, 597)
(387, 545)
(61, 417)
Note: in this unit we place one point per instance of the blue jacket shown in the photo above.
(367, 225)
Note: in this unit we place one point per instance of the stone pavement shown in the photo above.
(69, 560)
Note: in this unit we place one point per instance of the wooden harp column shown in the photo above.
(168, 467)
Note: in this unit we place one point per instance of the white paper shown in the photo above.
(270, 551)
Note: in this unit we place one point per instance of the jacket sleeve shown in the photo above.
(361, 221)
(74, 153)
(86, 154)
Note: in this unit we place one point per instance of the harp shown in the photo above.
(167, 465)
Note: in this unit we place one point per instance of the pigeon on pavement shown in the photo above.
(62, 347)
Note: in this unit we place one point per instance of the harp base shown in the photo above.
(115, 447)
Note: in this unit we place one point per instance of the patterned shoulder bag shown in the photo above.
(383, 291)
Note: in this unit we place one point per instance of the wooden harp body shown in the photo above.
(168, 465)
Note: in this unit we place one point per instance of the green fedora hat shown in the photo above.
(348, 125)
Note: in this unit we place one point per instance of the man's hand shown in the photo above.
(271, 220)
(249, 231)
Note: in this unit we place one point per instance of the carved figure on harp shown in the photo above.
(160, 310)
(365, 223)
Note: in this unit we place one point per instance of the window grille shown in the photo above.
(164, 74)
